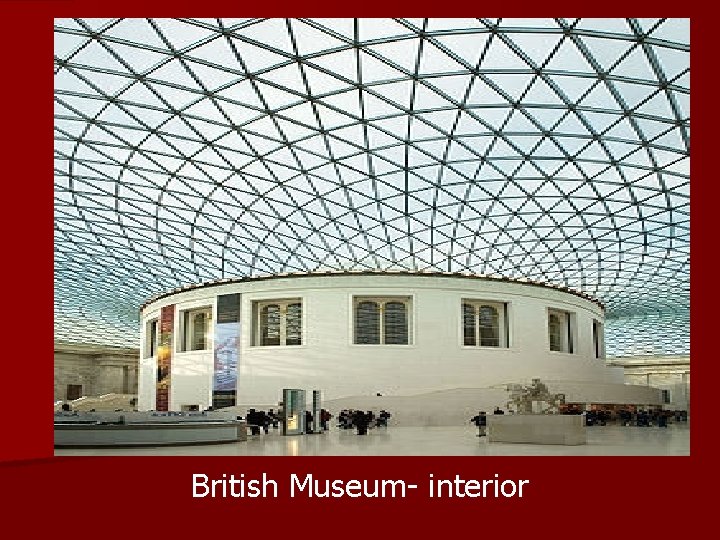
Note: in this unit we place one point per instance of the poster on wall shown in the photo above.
(227, 349)
(164, 354)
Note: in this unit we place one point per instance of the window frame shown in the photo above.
(598, 337)
(185, 340)
(283, 304)
(151, 345)
(568, 335)
(382, 300)
(503, 313)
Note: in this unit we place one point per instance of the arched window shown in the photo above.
(396, 327)
(293, 324)
(469, 337)
(277, 322)
(484, 324)
(382, 321)
(367, 323)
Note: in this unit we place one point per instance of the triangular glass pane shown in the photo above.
(469, 47)
(321, 83)
(434, 60)
(600, 121)
(605, 51)
(614, 25)
(541, 93)
(519, 123)
(499, 56)
(512, 84)
(537, 46)
(548, 149)
(635, 65)
(310, 40)
(344, 27)
(600, 98)
(275, 97)
(658, 106)
(573, 87)
(674, 29)
(403, 53)
(181, 34)
(287, 77)
(482, 93)
(672, 61)
(213, 78)
(273, 32)
(371, 29)
(343, 63)
(254, 58)
(454, 86)
(96, 55)
(623, 130)
(374, 70)
(569, 58)
(634, 94)
(683, 102)
(397, 92)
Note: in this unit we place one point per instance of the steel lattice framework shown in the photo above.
(189, 150)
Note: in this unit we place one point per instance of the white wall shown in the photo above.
(329, 361)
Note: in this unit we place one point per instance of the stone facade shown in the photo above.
(97, 369)
(671, 373)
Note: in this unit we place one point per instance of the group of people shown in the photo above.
(347, 419)
(261, 419)
(655, 417)
(362, 420)
(325, 417)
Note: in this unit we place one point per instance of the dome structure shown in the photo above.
(195, 150)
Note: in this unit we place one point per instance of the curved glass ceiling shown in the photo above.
(189, 150)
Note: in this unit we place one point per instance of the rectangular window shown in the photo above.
(277, 322)
(151, 338)
(381, 320)
(484, 323)
(561, 330)
(194, 329)
(598, 339)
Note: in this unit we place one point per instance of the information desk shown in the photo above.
(158, 431)
(537, 429)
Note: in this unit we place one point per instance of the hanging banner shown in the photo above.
(227, 350)
(164, 355)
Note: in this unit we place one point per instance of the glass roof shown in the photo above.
(189, 150)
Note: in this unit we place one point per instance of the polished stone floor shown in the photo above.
(426, 441)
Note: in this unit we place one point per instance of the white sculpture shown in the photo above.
(533, 399)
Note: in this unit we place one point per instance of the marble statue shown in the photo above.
(533, 399)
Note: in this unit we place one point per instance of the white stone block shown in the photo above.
(537, 429)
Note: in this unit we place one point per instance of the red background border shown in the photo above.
(137, 496)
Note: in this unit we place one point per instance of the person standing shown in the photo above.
(361, 422)
(480, 420)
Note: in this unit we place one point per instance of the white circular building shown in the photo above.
(364, 333)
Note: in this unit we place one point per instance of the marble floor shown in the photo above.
(425, 441)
